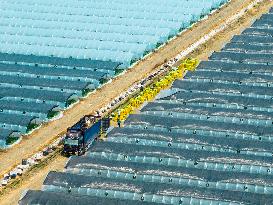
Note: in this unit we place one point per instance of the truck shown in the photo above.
(81, 135)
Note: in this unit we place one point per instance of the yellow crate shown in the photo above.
(149, 93)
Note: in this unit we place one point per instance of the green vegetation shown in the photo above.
(181, 29)
(118, 71)
(31, 126)
(70, 102)
(133, 61)
(52, 114)
(146, 52)
(104, 80)
(158, 45)
(11, 139)
(170, 36)
(86, 91)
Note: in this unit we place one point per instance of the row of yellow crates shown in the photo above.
(150, 92)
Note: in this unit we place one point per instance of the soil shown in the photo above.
(32, 180)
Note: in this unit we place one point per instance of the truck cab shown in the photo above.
(81, 135)
(72, 140)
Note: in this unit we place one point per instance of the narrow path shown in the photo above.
(33, 180)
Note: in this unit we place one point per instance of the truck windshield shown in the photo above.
(73, 134)
(71, 142)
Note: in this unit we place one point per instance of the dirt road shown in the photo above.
(47, 133)
(33, 180)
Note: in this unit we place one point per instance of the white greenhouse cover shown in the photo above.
(116, 30)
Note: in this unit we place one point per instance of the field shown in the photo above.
(50, 59)
(145, 66)
(206, 140)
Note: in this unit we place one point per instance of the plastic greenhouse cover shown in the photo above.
(185, 146)
(120, 4)
(242, 56)
(2, 143)
(257, 31)
(267, 17)
(91, 50)
(198, 139)
(119, 169)
(174, 123)
(25, 106)
(235, 67)
(233, 116)
(35, 94)
(94, 76)
(262, 25)
(53, 72)
(42, 82)
(137, 14)
(15, 119)
(97, 165)
(79, 26)
(59, 47)
(97, 26)
(225, 89)
(88, 185)
(182, 148)
(4, 133)
(83, 164)
(232, 77)
(185, 183)
(132, 21)
(223, 167)
(66, 52)
(102, 3)
(134, 30)
(195, 158)
(187, 136)
(174, 22)
(173, 109)
(252, 39)
(75, 76)
(240, 102)
(208, 132)
(59, 61)
(54, 11)
(53, 198)
(248, 48)
(86, 44)
(115, 5)
(73, 34)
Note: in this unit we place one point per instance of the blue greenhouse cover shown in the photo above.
(207, 140)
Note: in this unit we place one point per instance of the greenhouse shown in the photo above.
(50, 198)
(54, 53)
(207, 140)
(34, 89)
(99, 30)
